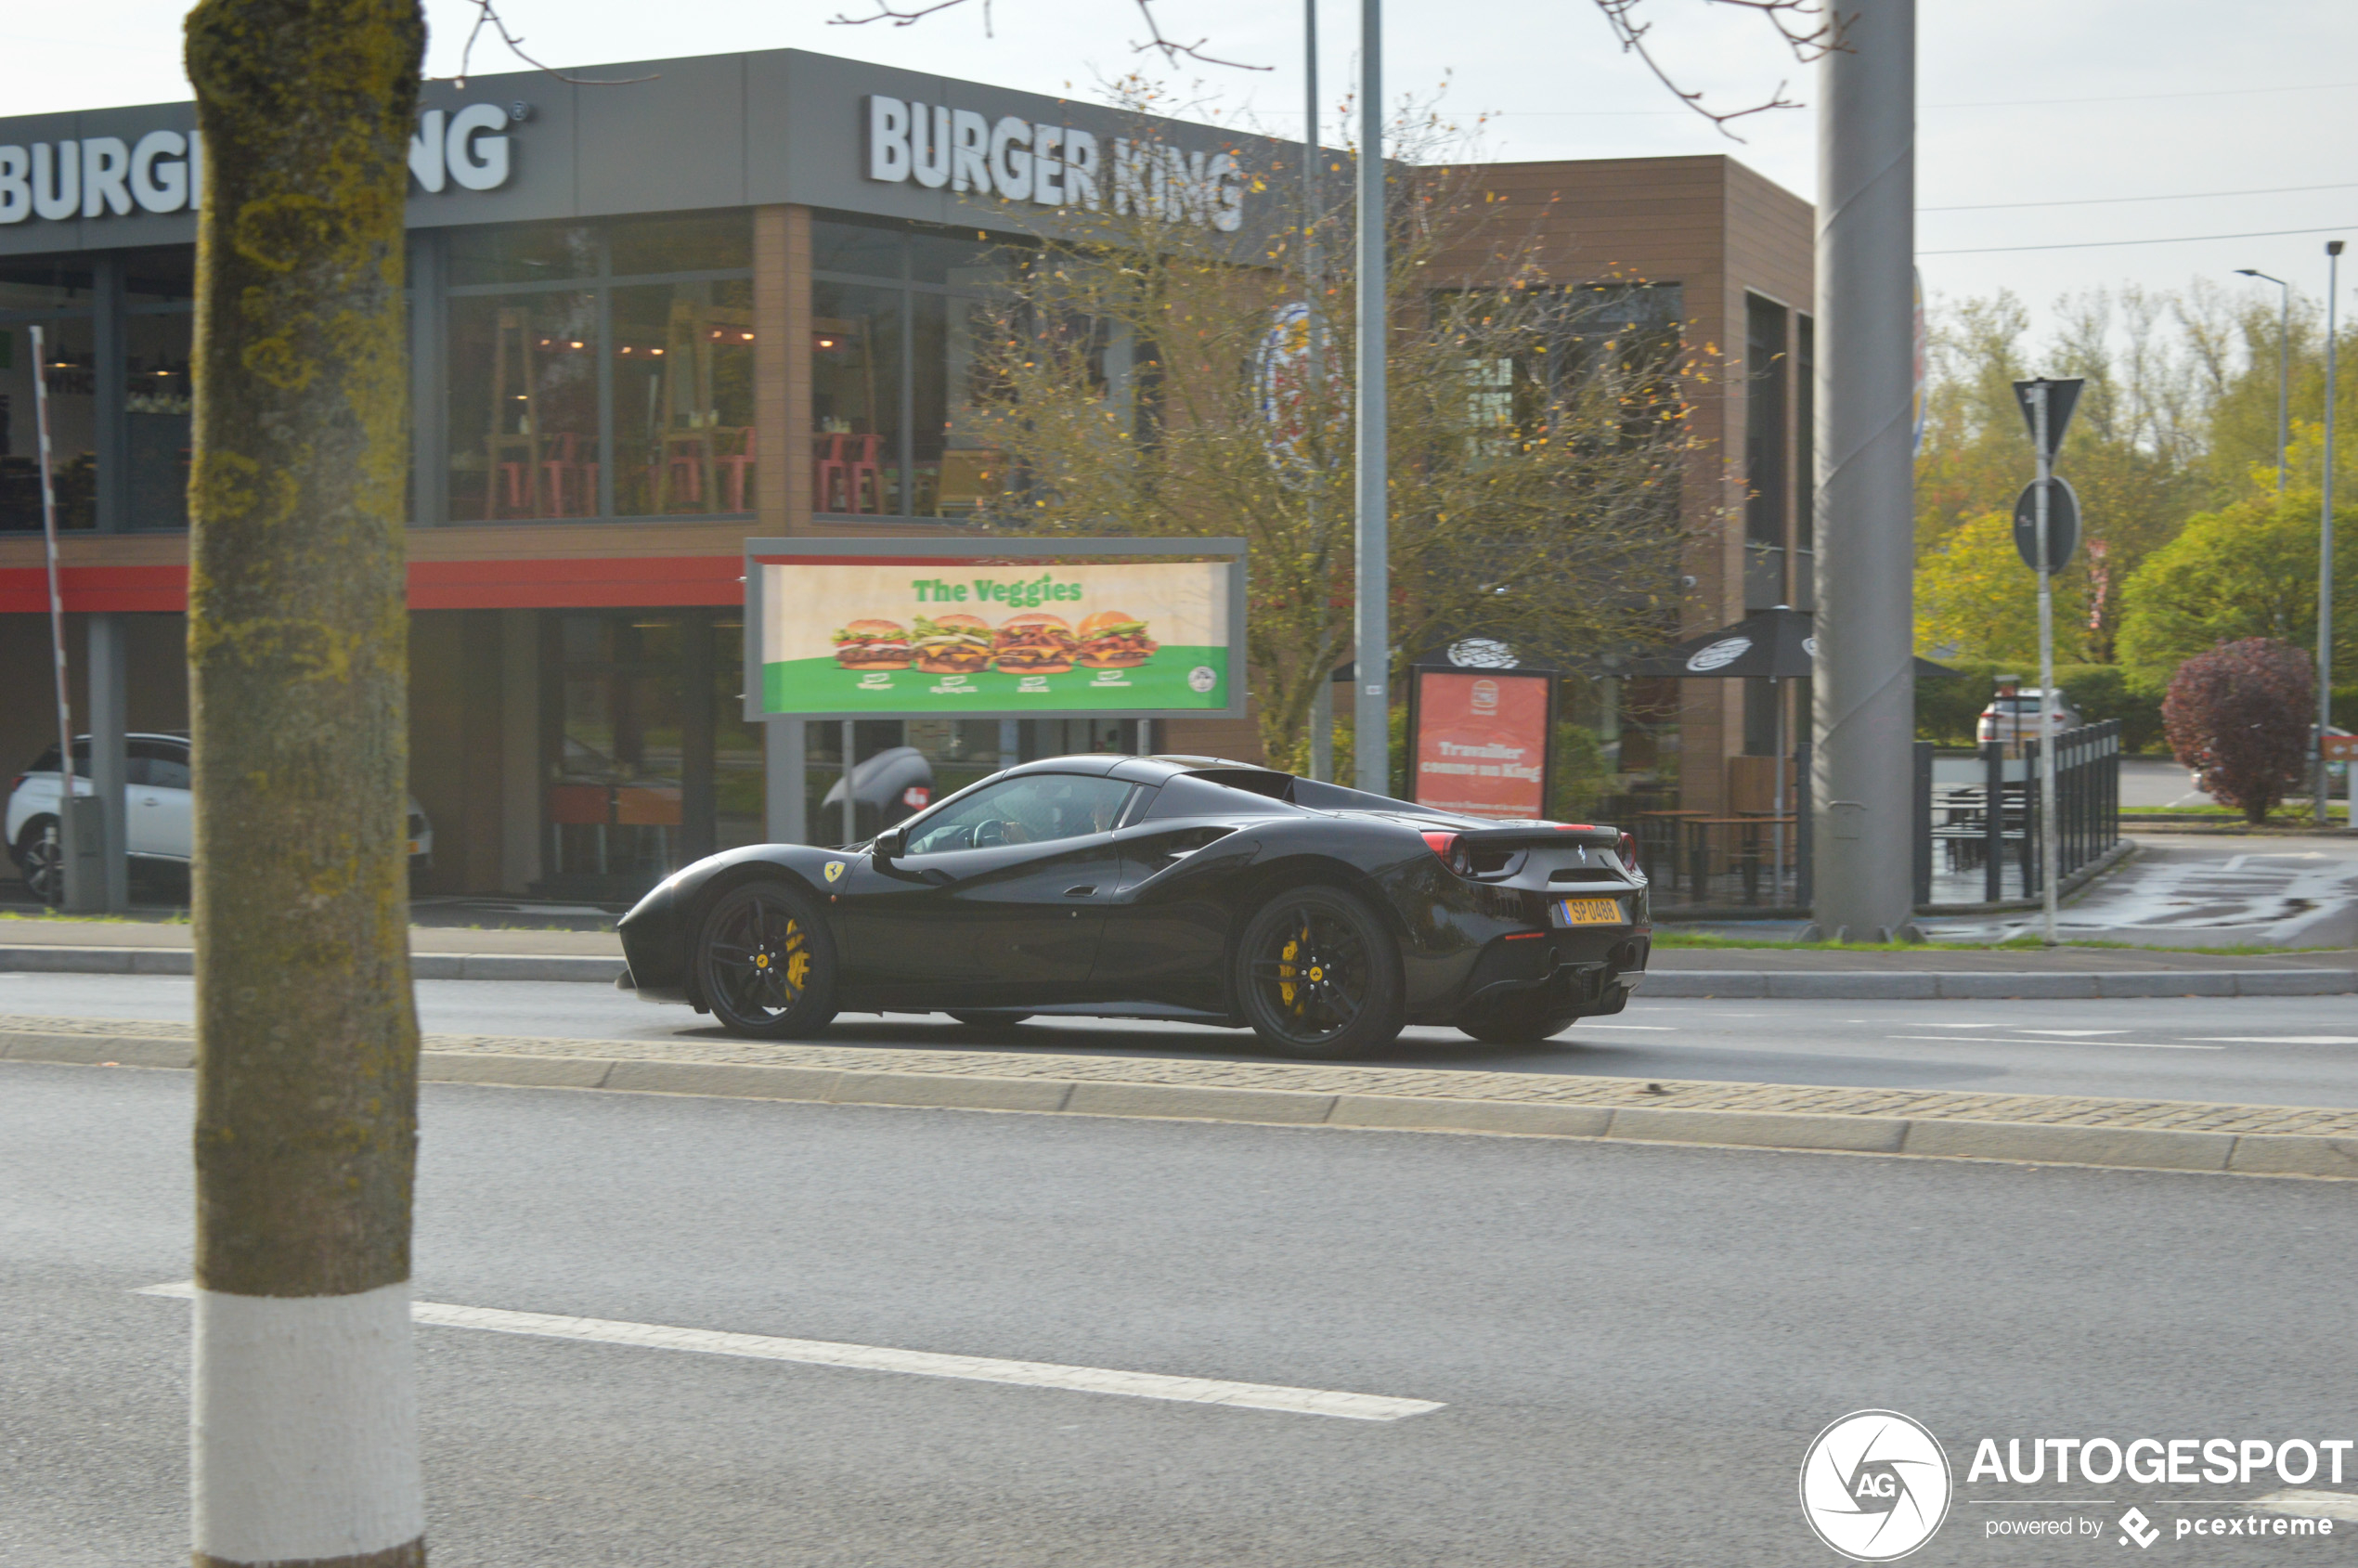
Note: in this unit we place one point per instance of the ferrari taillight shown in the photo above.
(1627, 847)
(1452, 853)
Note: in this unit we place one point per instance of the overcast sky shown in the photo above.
(2091, 106)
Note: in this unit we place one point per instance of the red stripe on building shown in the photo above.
(433, 585)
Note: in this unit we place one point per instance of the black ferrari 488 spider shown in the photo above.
(1162, 888)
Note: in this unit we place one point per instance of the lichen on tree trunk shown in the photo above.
(307, 1041)
(298, 646)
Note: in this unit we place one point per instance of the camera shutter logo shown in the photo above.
(1875, 1485)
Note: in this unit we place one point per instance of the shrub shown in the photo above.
(2239, 717)
(1947, 705)
(2107, 691)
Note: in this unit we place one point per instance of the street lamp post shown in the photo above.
(1322, 699)
(1371, 698)
(2325, 542)
(2284, 368)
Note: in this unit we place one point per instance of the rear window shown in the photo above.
(47, 761)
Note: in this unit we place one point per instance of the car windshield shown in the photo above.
(1035, 808)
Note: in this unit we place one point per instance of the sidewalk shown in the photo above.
(2046, 1129)
(1920, 974)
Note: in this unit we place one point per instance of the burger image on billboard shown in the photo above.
(953, 645)
(1114, 639)
(1034, 643)
(873, 645)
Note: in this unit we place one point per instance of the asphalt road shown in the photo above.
(2276, 1051)
(1632, 1345)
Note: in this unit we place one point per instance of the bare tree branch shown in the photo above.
(488, 14)
(1170, 49)
(1788, 18)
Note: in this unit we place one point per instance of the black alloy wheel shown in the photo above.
(42, 860)
(978, 1018)
(1318, 975)
(1523, 1020)
(765, 961)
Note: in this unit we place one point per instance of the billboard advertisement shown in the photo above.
(840, 628)
(1478, 741)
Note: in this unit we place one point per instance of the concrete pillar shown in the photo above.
(110, 888)
(784, 776)
(520, 781)
(1861, 762)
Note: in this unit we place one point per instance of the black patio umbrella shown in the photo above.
(1776, 645)
(1767, 645)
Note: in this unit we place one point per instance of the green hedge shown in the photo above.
(1947, 709)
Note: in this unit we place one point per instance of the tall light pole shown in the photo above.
(2284, 368)
(1322, 696)
(1862, 769)
(2325, 541)
(1371, 629)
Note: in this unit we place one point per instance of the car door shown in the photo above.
(158, 807)
(998, 900)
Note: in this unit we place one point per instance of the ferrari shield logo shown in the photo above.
(835, 870)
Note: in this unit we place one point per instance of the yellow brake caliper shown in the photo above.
(798, 964)
(1285, 969)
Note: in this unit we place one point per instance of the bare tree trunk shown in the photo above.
(305, 1421)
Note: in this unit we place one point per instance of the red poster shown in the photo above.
(1482, 744)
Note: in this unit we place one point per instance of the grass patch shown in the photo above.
(2301, 817)
(1668, 937)
(178, 917)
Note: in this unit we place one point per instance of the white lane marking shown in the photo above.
(1651, 1029)
(924, 1364)
(2123, 1045)
(2282, 1039)
(2068, 1033)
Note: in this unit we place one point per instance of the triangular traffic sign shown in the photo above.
(2063, 397)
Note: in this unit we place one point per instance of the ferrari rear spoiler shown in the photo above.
(1540, 833)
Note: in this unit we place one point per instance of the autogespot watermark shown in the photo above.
(1876, 1485)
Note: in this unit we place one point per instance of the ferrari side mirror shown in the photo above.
(892, 843)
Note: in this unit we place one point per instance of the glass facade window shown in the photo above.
(895, 388)
(683, 399)
(856, 397)
(524, 254)
(61, 295)
(648, 760)
(599, 370)
(523, 433)
(158, 338)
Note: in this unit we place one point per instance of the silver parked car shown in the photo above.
(158, 826)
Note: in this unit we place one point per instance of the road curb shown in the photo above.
(44, 959)
(1988, 985)
(1825, 985)
(2013, 1142)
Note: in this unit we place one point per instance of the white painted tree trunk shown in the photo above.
(305, 1428)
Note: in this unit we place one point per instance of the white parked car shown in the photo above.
(2013, 718)
(158, 827)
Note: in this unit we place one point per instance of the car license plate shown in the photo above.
(1590, 911)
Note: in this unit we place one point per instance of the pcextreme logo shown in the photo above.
(1875, 1485)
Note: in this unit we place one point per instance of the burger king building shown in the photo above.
(736, 299)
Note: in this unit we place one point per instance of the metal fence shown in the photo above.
(1977, 835)
(1755, 863)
